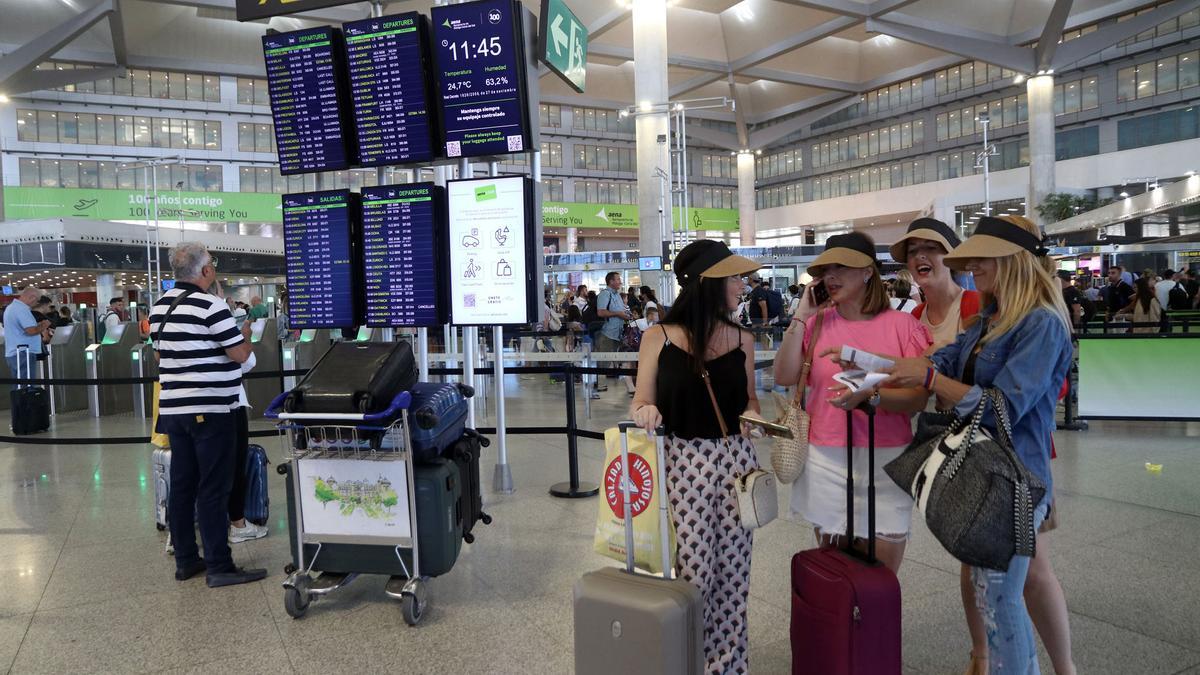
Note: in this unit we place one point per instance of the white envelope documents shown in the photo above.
(867, 377)
(865, 360)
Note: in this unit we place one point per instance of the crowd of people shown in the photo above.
(1011, 333)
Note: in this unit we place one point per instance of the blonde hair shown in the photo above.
(1026, 284)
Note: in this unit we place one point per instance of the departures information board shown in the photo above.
(402, 259)
(479, 58)
(305, 82)
(490, 239)
(389, 69)
(320, 233)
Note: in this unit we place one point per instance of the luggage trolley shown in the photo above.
(362, 448)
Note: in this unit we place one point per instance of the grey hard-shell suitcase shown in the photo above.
(161, 461)
(632, 623)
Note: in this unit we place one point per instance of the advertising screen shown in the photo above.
(650, 263)
(491, 260)
(319, 247)
(304, 81)
(388, 63)
(479, 57)
(401, 256)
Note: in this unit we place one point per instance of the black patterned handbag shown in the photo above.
(977, 496)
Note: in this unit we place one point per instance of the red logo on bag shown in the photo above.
(641, 486)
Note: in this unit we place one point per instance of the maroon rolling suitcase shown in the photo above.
(846, 605)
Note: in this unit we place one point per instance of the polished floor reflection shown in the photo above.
(88, 587)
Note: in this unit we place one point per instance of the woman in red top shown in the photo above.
(947, 310)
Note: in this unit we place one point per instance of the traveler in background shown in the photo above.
(696, 340)
(114, 315)
(759, 301)
(239, 528)
(573, 323)
(611, 310)
(1020, 345)
(914, 285)
(258, 309)
(200, 352)
(1162, 289)
(1072, 298)
(1117, 293)
(861, 317)
(900, 299)
(1090, 290)
(649, 299)
(581, 297)
(797, 296)
(238, 309)
(1144, 308)
(143, 324)
(1192, 286)
(64, 316)
(22, 329)
(632, 342)
(947, 305)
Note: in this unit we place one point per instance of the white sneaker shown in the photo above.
(251, 531)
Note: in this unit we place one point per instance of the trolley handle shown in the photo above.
(400, 402)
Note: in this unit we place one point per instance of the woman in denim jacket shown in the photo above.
(1021, 345)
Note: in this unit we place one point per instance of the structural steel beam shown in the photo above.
(796, 41)
(739, 115)
(694, 83)
(788, 77)
(606, 22)
(798, 106)
(1019, 59)
(1052, 32)
(323, 15)
(764, 137)
(716, 138)
(35, 80)
(1107, 36)
(28, 56)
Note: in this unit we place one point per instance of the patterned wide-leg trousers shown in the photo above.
(713, 547)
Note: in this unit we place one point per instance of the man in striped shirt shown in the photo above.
(200, 349)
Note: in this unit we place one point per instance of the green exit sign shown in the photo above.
(563, 42)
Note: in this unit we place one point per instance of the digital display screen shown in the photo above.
(7, 290)
(479, 75)
(167, 284)
(650, 263)
(303, 79)
(401, 257)
(389, 89)
(319, 252)
(491, 262)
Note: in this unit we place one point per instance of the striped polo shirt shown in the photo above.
(196, 375)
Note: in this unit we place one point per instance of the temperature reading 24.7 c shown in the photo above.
(486, 47)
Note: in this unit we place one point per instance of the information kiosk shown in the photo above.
(264, 342)
(65, 359)
(110, 359)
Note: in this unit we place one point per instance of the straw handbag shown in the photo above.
(789, 454)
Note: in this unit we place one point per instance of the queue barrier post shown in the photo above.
(573, 489)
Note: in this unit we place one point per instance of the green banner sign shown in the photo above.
(563, 43)
(35, 203)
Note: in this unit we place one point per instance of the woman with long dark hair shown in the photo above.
(696, 377)
(1145, 308)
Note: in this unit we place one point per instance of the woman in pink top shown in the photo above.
(860, 317)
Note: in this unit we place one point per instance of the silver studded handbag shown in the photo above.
(977, 496)
(757, 498)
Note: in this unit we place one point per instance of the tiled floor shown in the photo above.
(89, 589)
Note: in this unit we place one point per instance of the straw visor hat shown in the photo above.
(925, 228)
(996, 238)
(853, 249)
(708, 259)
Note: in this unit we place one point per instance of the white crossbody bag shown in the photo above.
(757, 491)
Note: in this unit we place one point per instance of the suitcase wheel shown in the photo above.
(282, 470)
(160, 527)
(291, 403)
(487, 520)
(466, 390)
(364, 403)
(295, 601)
(289, 568)
(469, 538)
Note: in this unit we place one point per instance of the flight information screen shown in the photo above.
(401, 257)
(480, 61)
(319, 252)
(303, 79)
(389, 89)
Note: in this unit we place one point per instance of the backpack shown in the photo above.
(631, 340)
(774, 303)
(102, 328)
(1177, 298)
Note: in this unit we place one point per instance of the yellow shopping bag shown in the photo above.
(646, 492)
(156, 439)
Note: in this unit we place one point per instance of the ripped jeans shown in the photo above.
(1000, 597)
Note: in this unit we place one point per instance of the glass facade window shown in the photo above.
(67, 173)
(594, 119)
(256, 137)
(550, 115)
(866, 144)
(604, 158)
(966, 76)
(1158, 77)
(252, 91)
(552, 189)
(1164, 127)
(605, 192)
(47, 126)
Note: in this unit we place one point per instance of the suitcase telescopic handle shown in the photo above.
(660, 481)
(870, 411)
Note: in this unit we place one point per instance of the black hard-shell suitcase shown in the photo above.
(439, 529)
(30, 403)
(465, 453)
(355, 377)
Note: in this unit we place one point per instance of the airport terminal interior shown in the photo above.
(440, 179)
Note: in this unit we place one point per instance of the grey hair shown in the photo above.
(33, 291)
(188, 259)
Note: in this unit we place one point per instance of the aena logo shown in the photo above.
(494, 16)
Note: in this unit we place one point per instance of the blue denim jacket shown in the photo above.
(1028, 364)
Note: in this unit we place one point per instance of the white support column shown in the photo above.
(106, 289)
(1040, 91)
(650, 87)
(746, 212)
(572, 245)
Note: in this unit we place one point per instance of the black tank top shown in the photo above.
(683, 400)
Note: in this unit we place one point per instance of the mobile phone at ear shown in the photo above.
(820, 293)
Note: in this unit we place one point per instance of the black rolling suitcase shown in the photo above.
(30, 403)
(465, 454)
(355, 377)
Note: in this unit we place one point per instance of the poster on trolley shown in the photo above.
(354, 498)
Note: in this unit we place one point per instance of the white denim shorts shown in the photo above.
(819, 495)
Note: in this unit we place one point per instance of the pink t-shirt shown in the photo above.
(889, 333)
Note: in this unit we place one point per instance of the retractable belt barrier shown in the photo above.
(566, 364)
